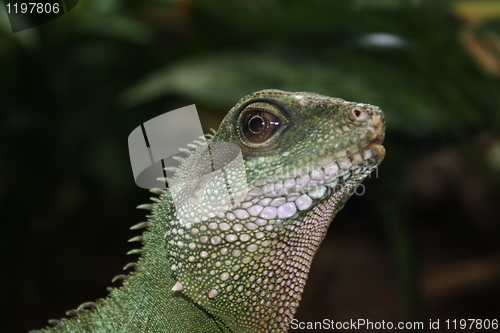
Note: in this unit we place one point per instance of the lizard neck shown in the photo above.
(251, 273)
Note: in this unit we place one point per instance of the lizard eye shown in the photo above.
(258, 126)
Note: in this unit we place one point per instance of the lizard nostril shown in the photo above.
(358, 114)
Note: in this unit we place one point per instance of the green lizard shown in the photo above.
(244, 270)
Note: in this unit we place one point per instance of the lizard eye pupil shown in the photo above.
(256, 124)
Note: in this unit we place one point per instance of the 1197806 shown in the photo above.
(471, 324)
(33, 8)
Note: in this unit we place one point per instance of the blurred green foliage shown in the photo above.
(74, 88)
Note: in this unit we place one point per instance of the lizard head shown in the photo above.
(300, 143)
(303, 155)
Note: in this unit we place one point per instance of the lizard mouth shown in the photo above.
(377, 148)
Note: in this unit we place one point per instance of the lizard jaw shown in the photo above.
(376, 144)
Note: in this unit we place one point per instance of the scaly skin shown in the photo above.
(244, 270)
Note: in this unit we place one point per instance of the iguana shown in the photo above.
(244, 270)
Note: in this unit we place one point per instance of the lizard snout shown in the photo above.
(373, 118)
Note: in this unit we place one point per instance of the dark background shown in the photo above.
(422, 243)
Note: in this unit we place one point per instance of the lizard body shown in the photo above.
(244, 269)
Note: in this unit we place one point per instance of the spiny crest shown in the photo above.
(211, 180)
(192, 147)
